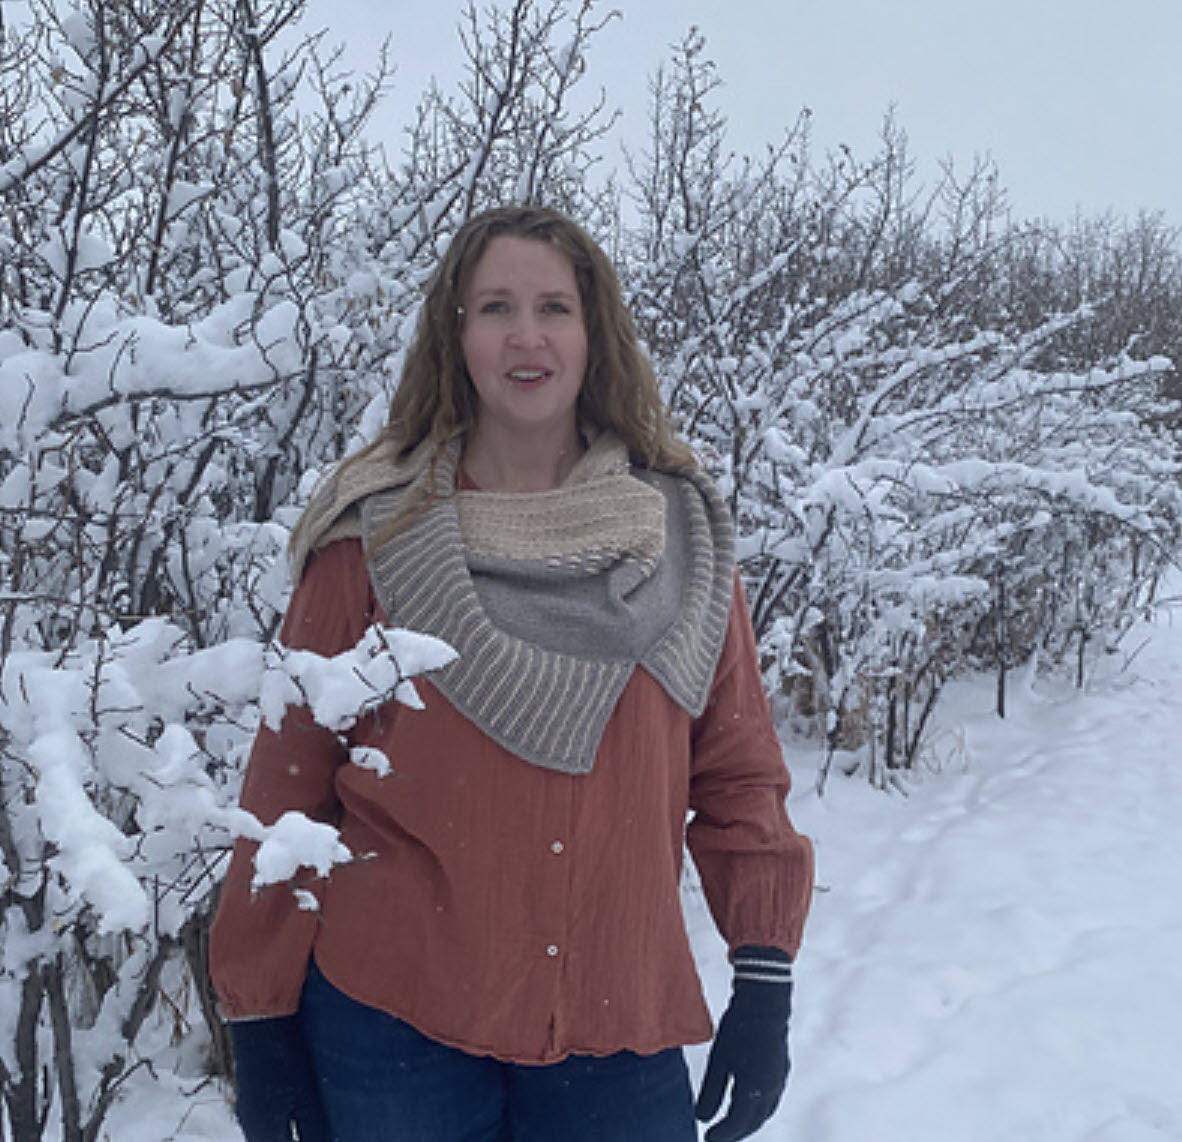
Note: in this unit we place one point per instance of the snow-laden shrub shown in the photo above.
(120, 757)
(927, 477)
(207, 277)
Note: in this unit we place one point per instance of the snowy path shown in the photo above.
(998, 956)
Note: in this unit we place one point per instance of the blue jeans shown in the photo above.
(383, 1081)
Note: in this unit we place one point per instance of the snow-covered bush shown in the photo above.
(120, 755)
(206, 279)
(928, 478)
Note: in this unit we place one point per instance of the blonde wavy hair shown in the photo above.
(435, 399)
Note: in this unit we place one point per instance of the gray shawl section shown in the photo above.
(552, 599)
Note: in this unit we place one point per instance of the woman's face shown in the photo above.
(524, 339)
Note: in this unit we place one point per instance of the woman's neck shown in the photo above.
(517, 464)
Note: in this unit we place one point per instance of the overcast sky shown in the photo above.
(1079, 102)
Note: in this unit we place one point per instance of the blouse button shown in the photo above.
(552, 950)
(557, 848)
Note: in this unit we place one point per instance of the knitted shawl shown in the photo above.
(551, 599)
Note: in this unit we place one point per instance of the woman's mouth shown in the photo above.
(527, 376)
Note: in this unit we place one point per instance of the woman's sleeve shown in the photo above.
(756, 869)
(260, 942)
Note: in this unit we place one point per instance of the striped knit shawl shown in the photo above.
(552, 599)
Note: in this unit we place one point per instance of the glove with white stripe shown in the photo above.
(751, 1045)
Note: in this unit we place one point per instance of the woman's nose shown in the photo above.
(526, 330)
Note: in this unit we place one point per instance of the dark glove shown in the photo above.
(751, 1046)
(276, 1084)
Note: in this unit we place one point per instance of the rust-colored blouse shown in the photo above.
(498, 907)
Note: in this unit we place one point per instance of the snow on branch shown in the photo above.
(294, 842)
(114, 741)
(344, 688)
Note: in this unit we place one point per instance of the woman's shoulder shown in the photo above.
(689, 492)
(338, 552)
(333, 511)
(332, 602)
(668, 479)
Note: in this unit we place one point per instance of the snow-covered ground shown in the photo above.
(997, 957)
(994, 957)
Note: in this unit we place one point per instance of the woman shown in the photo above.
(506, 958)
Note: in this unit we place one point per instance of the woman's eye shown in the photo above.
(502, 307)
